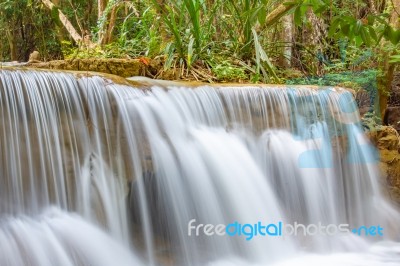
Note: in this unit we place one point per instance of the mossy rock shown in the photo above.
(120, 67)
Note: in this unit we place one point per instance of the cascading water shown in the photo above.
(95, 173)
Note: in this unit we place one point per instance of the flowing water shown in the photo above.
(95, 173)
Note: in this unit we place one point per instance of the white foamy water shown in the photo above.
(94, 173)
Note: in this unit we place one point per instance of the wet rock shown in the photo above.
(394, 98)
(392, 117)
(387, 140)
(363, 100)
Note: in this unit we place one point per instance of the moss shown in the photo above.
(121, 67)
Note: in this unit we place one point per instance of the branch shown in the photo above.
(67, 24)
(278, 12)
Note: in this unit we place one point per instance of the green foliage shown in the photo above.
(198, 33)
(191, 33)
(139, 35)
(395, 59)
(226, 71)
(359, 31)
(26, 26)
(393, 51)
(262, 60)
(55, 16)
(368, 30)
(354, 80)
(246, 14)
(112, 50)
(391, 34)
(318, 6)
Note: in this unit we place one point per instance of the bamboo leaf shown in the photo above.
(365, 36)
(262, 15)
(297, 16)
(345, 28)
(261, 56)
(373, 34)
(394, 59)
(334, 26)
(190, 52)
(357, 27)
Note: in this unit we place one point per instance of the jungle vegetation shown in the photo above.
(268, 41)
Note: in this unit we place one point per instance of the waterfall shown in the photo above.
(98, 173)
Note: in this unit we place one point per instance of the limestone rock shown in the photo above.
(120, 67)
(387, 140)
(34, 57)
(392, 117)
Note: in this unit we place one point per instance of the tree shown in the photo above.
(387, 67)
(287, 38)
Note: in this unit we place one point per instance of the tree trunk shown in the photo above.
(13, 45)
(88, 12)
(386, 78)
(104, 22)
(102, 4)
(108, 36)
(313, 35)
(287, 38)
